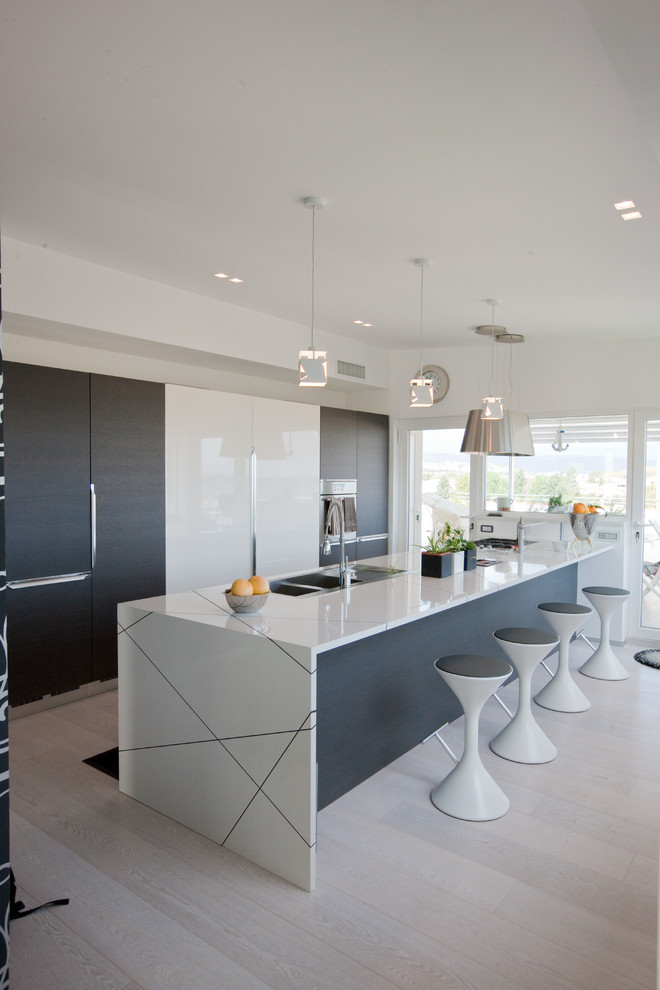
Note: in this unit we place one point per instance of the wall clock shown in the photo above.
(440, 379)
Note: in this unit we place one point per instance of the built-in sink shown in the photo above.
(320, 582)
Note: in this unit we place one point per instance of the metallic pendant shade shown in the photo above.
(508, 436)
(312, 364)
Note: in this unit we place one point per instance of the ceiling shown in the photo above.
(176, 140)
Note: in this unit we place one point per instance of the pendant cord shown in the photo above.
(421, 319)
(313, 273)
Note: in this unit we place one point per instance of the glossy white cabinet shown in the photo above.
(234, 462)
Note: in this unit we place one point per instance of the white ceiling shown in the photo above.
(173, 140)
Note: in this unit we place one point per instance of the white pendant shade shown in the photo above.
(313, 368)
(421, 392)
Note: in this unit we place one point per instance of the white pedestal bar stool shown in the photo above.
(562, 694)
(523, 740)
(603, 664)
(468, 791)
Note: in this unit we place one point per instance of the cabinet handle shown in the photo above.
(376, 536)
(92, 516)
(53, 579)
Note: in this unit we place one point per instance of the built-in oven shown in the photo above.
(344, 490)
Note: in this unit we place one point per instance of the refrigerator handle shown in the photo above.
(92, 515)
(42, 581)
(253, 509)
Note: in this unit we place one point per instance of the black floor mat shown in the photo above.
(651, 658)
(107, 762)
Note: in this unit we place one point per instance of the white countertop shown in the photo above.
(318, 623)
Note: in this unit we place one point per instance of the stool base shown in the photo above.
(524, 742)
(562, 695)
(604, 665)
(470, 793)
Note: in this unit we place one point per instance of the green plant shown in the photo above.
(554, 501)
(448, 540)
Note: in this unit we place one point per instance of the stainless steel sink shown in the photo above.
(321, 582)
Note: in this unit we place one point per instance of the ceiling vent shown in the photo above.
(351, 370)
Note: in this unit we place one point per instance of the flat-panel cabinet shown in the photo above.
(242, 477)
(84, 465)
(128, 472)
(356, 445)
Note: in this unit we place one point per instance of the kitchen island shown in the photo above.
(224, 718)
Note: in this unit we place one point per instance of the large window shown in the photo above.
(591, 467)
(445, 481)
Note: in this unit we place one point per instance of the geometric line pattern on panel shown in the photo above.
(270, 757)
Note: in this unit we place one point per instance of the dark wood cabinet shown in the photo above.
(128, 473)
(47, 471)
(356, 445)
(65, 432)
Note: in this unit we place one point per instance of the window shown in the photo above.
(445, 481)
(592, 468)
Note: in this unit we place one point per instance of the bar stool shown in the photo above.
(603, 664)
(562, 694)
(523, 740)
(468, 791)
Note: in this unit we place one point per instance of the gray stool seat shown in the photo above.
(603, 664)
(468, 791)
(562, 694)
(523, 740)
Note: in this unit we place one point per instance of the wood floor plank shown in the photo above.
(559, 894)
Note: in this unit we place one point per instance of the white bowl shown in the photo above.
(560, 545)
(245, 603)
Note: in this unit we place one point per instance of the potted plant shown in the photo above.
(448, 552)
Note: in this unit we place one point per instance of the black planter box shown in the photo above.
(437, 565)
(470, 559)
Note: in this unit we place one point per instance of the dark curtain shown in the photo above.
(4, 724)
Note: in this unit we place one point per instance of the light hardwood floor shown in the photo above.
(560, 893)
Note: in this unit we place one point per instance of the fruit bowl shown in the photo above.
(245, 603)
(583, 524)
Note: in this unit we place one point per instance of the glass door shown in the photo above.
(645, 551)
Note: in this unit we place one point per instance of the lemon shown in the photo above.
(260, 585)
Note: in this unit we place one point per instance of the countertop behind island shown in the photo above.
(218, 711)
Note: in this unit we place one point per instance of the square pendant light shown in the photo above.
(492, 408)
(313, 368)
(421, 392)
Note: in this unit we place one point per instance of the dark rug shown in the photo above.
(651, 658)
(107, 762)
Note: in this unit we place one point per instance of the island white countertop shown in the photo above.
(218, 731)
(320, 622)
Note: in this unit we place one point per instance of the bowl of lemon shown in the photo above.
(248, 595)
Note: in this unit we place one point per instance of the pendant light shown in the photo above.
(492, 404)
(312, 364)
(421, 389)
(508, 435)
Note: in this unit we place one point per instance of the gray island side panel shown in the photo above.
(379, 697)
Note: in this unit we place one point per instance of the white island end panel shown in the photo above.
(234, 724)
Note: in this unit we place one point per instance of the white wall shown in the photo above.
(49, 295)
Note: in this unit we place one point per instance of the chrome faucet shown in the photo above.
(521, 529)
(337, 506)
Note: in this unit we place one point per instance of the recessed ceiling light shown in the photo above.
(626, 204)
(635, 215)
(220, 275)
(235, 279)
(361, 323)
(367, 324)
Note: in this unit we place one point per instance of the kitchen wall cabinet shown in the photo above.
(242, 473)
(64, 432)
(356, 445)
